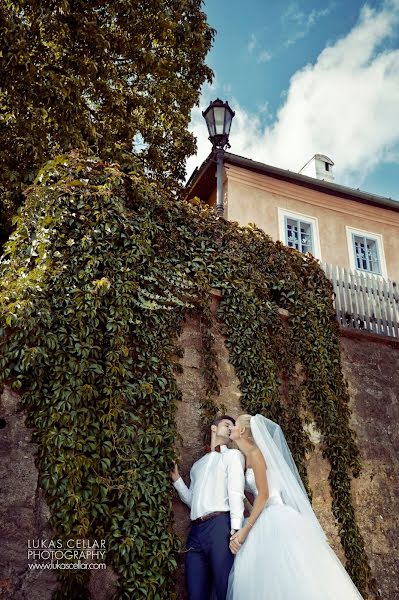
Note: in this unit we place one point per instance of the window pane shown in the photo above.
(292, 234)
(360, 253)
(306, 237)
(366, 254)
(372, 255)
(299, 235)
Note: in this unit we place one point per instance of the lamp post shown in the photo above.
(218, 117)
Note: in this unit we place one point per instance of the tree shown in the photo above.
(116, 77)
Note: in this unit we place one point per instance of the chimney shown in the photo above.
(320, 167)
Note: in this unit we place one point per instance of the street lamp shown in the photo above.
(218, 117)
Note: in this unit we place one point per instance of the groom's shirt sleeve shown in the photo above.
(235, 463)
(183, 491)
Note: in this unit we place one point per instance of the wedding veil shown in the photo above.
(282, 473)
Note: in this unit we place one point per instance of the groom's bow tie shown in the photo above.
(209, 449)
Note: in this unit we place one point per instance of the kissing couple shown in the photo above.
(280, 552)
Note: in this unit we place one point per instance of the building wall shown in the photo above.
(255, 198)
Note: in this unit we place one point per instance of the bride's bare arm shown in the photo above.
(259, 468)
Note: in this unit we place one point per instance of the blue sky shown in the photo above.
(308, 77)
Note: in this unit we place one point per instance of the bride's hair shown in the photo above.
(245, 421)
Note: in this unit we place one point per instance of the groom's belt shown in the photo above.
(209, 516)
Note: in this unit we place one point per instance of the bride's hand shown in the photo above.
(237, 539)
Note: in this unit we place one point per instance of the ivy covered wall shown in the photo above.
(371, 368)
(96, 281)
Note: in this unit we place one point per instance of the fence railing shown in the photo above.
(365, 301)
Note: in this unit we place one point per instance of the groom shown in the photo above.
(216, 498)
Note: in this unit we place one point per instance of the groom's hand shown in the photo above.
(236, 540)
(174, 473)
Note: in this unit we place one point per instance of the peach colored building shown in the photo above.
(338, 225)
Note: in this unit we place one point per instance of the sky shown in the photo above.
(305, 78)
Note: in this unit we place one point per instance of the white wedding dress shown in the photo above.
(285, 557)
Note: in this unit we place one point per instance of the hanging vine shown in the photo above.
(95, 284)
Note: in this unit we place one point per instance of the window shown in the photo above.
(299, 231)
(298, 235)
(327, 166)
(366, 254)
(366, 251)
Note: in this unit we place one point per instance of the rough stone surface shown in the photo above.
(371, 368)
(24, 515)
(372, 371)
(318, 470)
(23, 511)
(192, 385)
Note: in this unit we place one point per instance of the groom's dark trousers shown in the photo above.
(208, 558)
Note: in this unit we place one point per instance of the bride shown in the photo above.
(282, 551)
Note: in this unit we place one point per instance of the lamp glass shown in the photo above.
(210, 121)
(219, 112)
(228, 119)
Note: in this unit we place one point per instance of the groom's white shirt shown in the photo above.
(217, 483)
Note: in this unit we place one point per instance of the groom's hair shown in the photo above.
(222, 418)
(216, 421)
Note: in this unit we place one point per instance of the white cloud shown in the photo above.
(264, 109)
(252, 43)
(264, 57)
(303, 22)
(345, 106)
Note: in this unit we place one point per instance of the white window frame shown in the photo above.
(313, 221)
(377, 237)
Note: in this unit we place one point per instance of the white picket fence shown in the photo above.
(365, 301)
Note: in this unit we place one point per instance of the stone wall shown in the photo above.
(192, 384)
(372, 371)
(23, 511)
(24, 514)
(371, 367)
